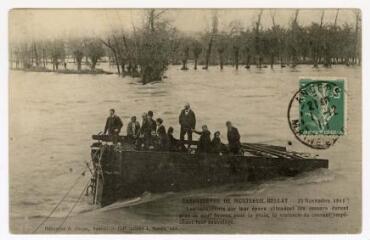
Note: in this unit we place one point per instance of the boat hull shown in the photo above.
(124, 174)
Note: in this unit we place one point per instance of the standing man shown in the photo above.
(187, 122)
(133, 129)
(114, 124)
(140, 143)
(144, 120)
(162, 136)
(148, 129)
(233, 137)
(152, 123)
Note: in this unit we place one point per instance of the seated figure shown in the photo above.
(217, 145)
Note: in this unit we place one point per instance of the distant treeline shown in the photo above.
(147, 51)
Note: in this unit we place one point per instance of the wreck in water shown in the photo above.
(121, 172)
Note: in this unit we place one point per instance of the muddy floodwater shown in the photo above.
(52, 118)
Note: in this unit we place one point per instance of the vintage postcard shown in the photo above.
(191, 121)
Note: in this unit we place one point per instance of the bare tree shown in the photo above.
(197, 50)
(257, 40)
(185, 54)
(94, 51)
(221, 47)
(110, 44)
(317, 41)
(294, 42)
(357, 50)
(212, 35)
(235, 34)
(56, 53)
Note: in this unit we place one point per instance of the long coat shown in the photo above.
(162, 137)
(148, 127)
(204, 144)
(131, 132)
(113, 123)
(233, 137)
(187, 121)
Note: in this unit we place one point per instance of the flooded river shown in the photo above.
(52, 118)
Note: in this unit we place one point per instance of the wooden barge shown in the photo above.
(121, 172)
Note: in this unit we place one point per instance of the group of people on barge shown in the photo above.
(151, 134)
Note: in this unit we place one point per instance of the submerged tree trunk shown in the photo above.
(315, 61)
(196, 53)
(272, 61)
(123, 67)
(236, 58)
(282, 64)
(247, 64)
(109, 44)
(208, 53)
(184, 64)
(221, 57)
(79, 61)
(116, 62)
(294, 60)
(185, 59)
(37, 60)
(93, 64)
(78, 58)
(259, 61)
(55, 65)
(195, 63)
(44, 60)
(327, 58)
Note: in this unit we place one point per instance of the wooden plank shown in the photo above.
(284, 152)
(271, 151)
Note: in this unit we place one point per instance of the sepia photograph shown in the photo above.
(185, 121)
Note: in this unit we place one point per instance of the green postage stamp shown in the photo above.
(322, 107)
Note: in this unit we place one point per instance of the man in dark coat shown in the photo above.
(113, 124)
(148, 129)
(204, 144)
(233, 137)
(151, 123)
(187, 122)
(133, 129)
(162, 136)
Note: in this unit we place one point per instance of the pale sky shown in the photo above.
(54, 23)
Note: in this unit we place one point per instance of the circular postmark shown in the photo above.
(316, 112)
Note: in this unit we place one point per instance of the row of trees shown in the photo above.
(40, 53)
(142, 53)
(318, 43)
(147, 51)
